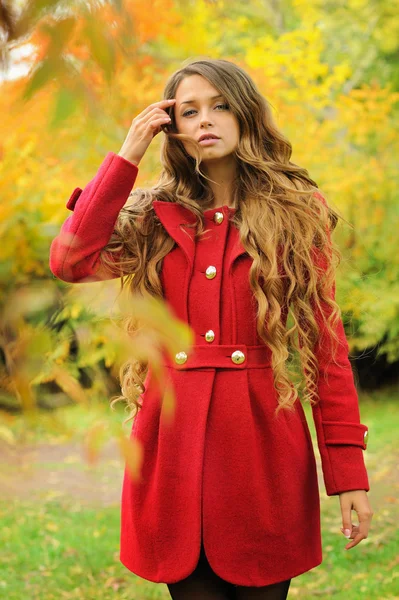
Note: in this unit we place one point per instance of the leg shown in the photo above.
(275, 591)
(202, 584)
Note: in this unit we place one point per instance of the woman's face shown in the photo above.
(197, 111)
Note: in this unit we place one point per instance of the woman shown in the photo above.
(233, 237)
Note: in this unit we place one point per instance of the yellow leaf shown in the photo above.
(132, 452)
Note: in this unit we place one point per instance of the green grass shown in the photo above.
(57, 548)
(62, 550)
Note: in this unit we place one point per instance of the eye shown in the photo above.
(191, 110)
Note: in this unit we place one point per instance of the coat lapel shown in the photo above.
(237, 249)
(173, 216)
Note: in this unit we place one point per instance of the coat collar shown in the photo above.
(173, 216)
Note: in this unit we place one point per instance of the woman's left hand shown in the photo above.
(358, 501)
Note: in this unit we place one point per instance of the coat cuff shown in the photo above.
(338, 433)
(344, 469)
(341, 445)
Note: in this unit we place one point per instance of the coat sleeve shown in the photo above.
(75, 252)
(341, 437)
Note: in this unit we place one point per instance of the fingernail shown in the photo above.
(347, 533)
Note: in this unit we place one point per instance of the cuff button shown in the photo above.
(366, 437)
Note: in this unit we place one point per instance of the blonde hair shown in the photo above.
(284, 224)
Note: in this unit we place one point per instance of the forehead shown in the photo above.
(195, 87)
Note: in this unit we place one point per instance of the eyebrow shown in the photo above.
(211, 98)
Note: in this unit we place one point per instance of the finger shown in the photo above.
(157, 124)
(359, 533)
(355, 530)
(146, 117)
(347, 530)
(162, 104)
(346, 508)
(160, 119)
(358, 538)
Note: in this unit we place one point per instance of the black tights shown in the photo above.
(204, 584)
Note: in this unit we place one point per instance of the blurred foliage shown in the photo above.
(330, 73)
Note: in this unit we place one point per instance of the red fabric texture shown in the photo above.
(224, 469)
(75, 252)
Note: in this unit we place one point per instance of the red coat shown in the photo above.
(226, 469)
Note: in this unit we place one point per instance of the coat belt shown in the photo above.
(224, 356)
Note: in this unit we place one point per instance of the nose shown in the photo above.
(205, 120)
(205, 123)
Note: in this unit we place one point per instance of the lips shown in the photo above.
(208, 136)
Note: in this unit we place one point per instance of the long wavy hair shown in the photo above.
(284, 223)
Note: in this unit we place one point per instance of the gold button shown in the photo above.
(366, 437)
(210, 272)
(238, 357)
(181, 358)
(210, 335)
(218, 217)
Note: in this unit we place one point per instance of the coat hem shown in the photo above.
(268, 581)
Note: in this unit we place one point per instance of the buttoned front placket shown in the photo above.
(206, 282)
